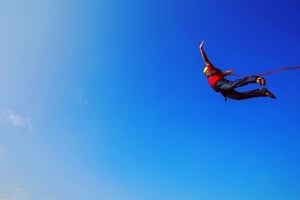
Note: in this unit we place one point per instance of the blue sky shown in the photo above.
(106, 100)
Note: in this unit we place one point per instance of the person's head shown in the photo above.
(205, 70)
(211, 70)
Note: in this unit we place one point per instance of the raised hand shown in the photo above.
(201, 44)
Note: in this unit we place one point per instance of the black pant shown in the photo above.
(227, 88)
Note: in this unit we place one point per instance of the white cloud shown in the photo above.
(15, 120)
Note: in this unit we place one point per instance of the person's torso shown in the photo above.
(212, 80)
(213, 75)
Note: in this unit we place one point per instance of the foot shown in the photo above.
(261, 81)
(269, 94)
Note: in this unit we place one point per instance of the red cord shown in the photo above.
(270, 72)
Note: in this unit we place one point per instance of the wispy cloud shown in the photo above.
(21, 193)
(14, 193)
(81, 99)
(15, 120)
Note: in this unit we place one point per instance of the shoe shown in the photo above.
(261, 81)
(269, 94)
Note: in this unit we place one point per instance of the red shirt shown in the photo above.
(213, 75)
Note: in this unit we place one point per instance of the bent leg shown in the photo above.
(227, 85)
(233, 94)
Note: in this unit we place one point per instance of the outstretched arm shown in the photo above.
(227, 72)
(207, 62)
(204, 56)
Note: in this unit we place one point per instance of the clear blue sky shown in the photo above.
(107, 100)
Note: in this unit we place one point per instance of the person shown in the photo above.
(216, 79)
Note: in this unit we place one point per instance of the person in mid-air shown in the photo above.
(216, 79)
